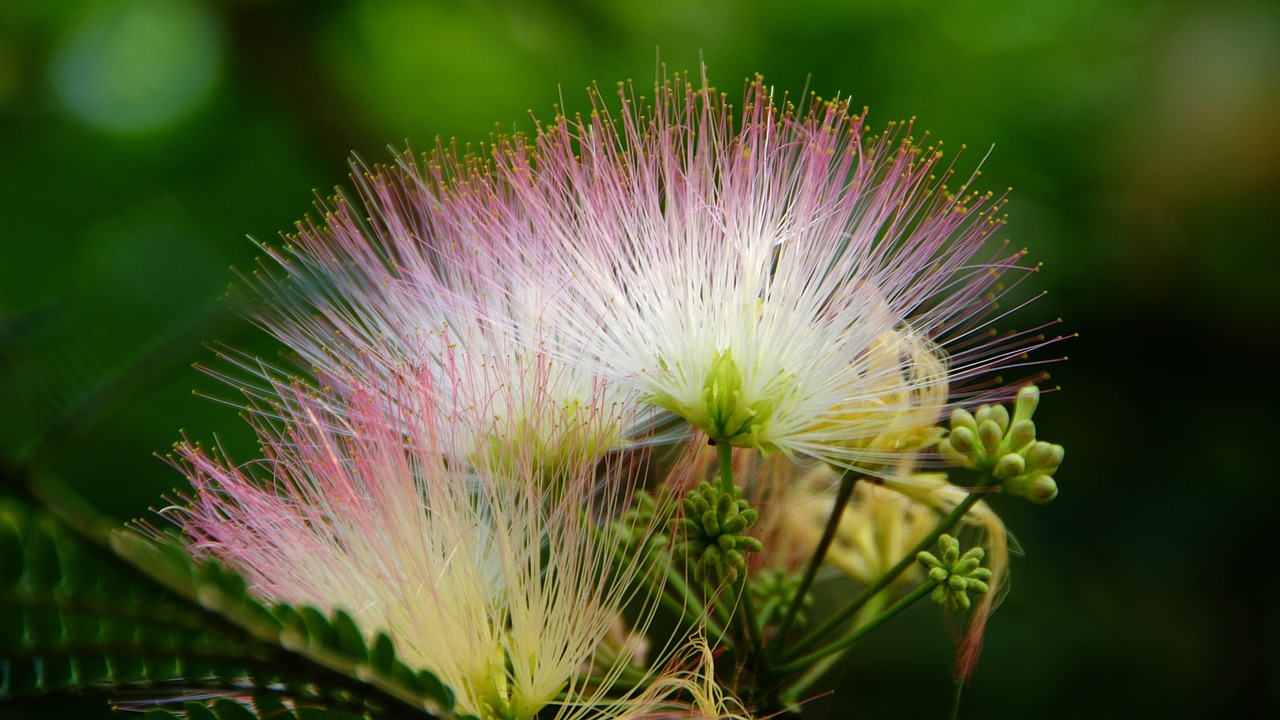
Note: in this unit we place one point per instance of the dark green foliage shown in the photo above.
(266, 708)
(78, 617)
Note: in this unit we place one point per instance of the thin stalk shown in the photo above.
(718, 601)
(848, 641)
(873, 608)
(678, 603)
(629, 675)
(676, 580)
(868, 613)
(724, 451)
(749, 615)
(840, 617)
(847, 482)
(955, 701)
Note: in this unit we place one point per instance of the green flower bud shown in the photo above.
(1010, 466)
(1044, 456)
(990, 434)
(641, 529)
(967, 565)
(963, 440)
(950, 549)
(712, 542)
(961, 418)
(1022, 434)
(772, 589)
(1042, 489)
(955, 575)
(991, 441)
(1025, 406)
(1001, 417)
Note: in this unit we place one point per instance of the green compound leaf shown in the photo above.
(224, 709)
(75, 617)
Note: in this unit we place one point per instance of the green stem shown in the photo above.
(873, 608)
(840, 617)
(868, 613)
(674, 595)
(743, 589)
(676, 580)
(719, 603)
(847, 482)
(847, 641)
(628, 675)
(724, 451)
(955, 701)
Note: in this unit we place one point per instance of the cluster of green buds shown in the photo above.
(990, 441)
(640, 530)
(955, 575)
(772, 590)
(712, 533)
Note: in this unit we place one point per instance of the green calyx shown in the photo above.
(723, 412)
(991, 441)
(955, 575)
(712, 539)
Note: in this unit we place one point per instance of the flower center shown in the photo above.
(724, 410)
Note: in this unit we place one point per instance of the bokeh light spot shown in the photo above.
(136, 66)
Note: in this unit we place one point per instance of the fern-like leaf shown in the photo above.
(75, 617)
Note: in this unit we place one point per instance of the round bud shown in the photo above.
(1044, 456)
(1001, 416)
(962, 418)
(1022, 434)
(990, 434)
(963, 440)
(1010, 466)
(1041, 489)
(1025, 406)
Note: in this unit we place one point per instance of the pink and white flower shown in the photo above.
(785, 281)
(406, 281)
(493, 574)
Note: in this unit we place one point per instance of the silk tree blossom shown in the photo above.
(785, 281)
(365, 294)
(493, 574)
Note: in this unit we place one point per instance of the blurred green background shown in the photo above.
(142, 140)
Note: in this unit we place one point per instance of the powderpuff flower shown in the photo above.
(786, 281)
(493, 574)
(364, 294)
